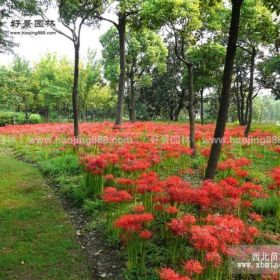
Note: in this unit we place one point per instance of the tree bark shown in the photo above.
(180, 105)
(75, 93)
(191, 110)
(226, 91)
(251, 92)
(201, 107)
(121, 87)
(238, 103)
(243, 114)
(132, 101)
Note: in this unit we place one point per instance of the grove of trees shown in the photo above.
(192, 60)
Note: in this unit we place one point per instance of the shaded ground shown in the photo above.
(37, 238)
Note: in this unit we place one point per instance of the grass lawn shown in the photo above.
(37, 240)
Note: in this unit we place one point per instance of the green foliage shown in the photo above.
(92, 207)
(266, 206)
(64, 164)
(270, 72)
(208, 60)
(9, 118)
(257, 25)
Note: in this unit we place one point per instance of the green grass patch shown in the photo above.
(37, 240)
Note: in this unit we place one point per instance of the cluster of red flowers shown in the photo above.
(193, 267)
(170, 274)
(220, 232)
(133, 222)
(235, 165)
(182, 225)
(227, 194)
(112, 195)
(216, 235)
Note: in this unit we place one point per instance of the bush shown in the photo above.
(34, 119)
(9, 118)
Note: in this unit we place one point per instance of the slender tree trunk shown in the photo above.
(251, 92)
(191, 110)
(238, 103)
(26, 113)
(121, 89)
(180, 105)
(132, 101)
(226, 91)
(171, 115)
(75, 93)
(243, 114)
(201, 106)
(14, 115)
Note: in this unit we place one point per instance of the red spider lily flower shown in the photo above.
(213, 258)
(112, 195)
(170, 274)
(124, 181)
(171, 210)
(241, 173)
(139, 209)
(250, 234)
(205, 152)
(252, 190)
(109, 177)
(233, 163)
(231, 181)
(146, 234)
(193, 267)
(203, 239)
(182, 226)
(255, 217)
(95, 165)
(246, 203)
(220, 232)
(133, 222)
(135, 165)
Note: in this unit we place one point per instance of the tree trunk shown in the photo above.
(226, 91)
(14, 115)
(171, 113)
(26, 113)
(191, 110)
(75, 93)
(201, 107)
(238, 107)
(132, 101)
(180, 105)
(121, 89)
(251, 92)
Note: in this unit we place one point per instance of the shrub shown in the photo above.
(9, 118)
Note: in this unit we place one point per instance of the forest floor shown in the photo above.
(39, 238)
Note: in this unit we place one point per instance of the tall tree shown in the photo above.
(226, 90)
(73, 16)
(125, 10)
(145, 52)
(257, 30)
(208, 60)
